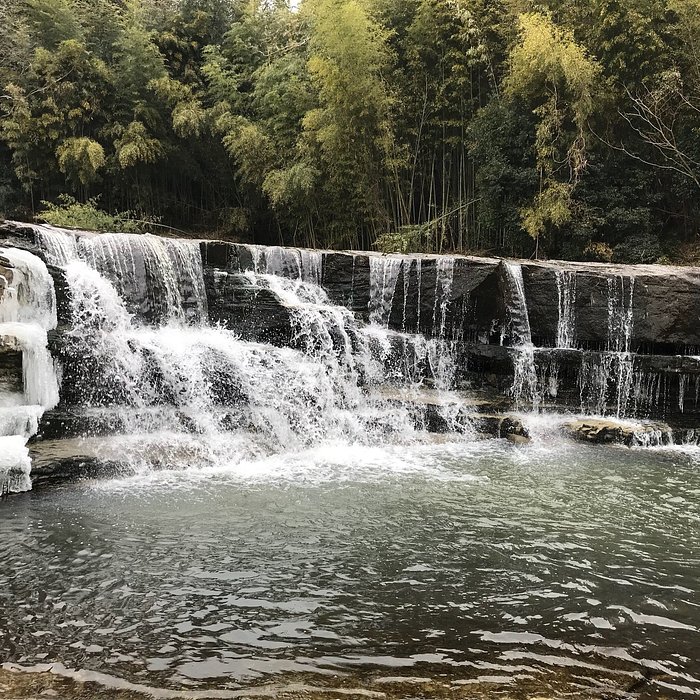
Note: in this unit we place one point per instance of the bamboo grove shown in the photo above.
(561, 129)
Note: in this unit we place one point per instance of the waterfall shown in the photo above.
(30, 297)
(27, 312)
(160, 278)
(139, 357)
(141, 354)
(566, 299)
(444, 279)
(524, 388)
(295, 263)
(59, 245)
(608, 378)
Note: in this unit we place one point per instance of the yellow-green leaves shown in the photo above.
(80, 159)
(252, 149)
(188, 118)
(350, 128)
(554, 75)
(548, 62)
(136, 146)
(290, 185)
(552, 206)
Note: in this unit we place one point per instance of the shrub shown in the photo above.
(70, 213)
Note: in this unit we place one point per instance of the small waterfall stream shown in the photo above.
(566, 300)
(607, 379)
(524, 389)
(384, 274)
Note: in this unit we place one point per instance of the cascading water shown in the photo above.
(566, 300)
(27, 312)
(608, 378)
(524, 388)
(141, 354)
(383, 276)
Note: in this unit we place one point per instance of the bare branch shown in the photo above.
(653, 116)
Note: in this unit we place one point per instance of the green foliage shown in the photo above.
(135, 146)
(431, 125)
(553, 74)
(289, 185)
(80, 159)
(408, 239)
(54, 21)
(69, 213)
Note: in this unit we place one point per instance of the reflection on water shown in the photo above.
(456, 561)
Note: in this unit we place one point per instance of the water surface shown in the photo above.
(461, 561)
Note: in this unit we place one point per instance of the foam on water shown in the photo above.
(15, 464)
(329, 462)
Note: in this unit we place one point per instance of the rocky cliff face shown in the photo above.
(585, 319)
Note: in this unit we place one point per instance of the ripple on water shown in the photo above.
(485, 563)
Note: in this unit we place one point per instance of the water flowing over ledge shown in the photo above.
(209, 345)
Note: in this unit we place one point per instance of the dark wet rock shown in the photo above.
(499, 425)
(665, 300)
(10, 365)
(18, 235)
(251, 311)
(604, 432)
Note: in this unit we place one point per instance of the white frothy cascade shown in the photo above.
(152, 366)
(566, 301)
(141, 359)
(27, 312)
(608, 383)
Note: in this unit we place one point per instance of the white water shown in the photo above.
(15, 464)
(566, 299)
(524, 388)
(383, 275)
(305, 265)
(60, 245)
(227, 400)
(608, 381)
(27, 312)
(39, 374)
(184, 390)
(29, 297)
(444, 279)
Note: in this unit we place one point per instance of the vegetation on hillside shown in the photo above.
(563, 129)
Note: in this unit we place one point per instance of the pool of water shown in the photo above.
(467, 562)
